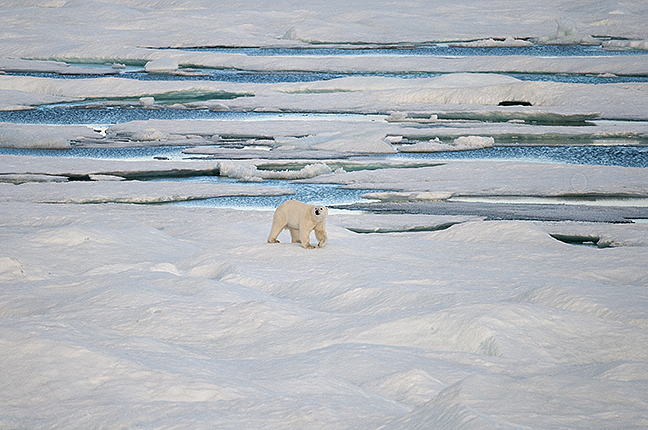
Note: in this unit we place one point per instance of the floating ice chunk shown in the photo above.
(462, 143)
(147, 101)
(566, 29)
(162, 65)
(37, 137)
(149, 135)
(494, 232)
(492, 43)
(106, 178)
(394, 139)
(27, 177)
(361, 140)
(408, 197)
(218, 107)
(248, 172)
(474, 142)
(621, 45)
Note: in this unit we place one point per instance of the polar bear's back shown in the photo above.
(291, 212)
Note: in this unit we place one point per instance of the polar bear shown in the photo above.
(300, 219)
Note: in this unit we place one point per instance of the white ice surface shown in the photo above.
(346, 95)
(41, 136)
(463, 143)
(148, 316)
(103, 191)
(500, 178)
(128, 316)
(117, 28)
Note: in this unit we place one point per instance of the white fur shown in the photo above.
(300, 219)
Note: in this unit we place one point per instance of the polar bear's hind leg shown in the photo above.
(277, 227)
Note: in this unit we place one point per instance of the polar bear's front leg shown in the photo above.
(304, 238)
(320, 234)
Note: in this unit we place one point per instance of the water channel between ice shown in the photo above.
(595, 153)
(135, 70)
(331, 194)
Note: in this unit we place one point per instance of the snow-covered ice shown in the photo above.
(117, 311)
(150, 316)
(462, 143)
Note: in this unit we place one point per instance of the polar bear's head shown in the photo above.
(319, 213)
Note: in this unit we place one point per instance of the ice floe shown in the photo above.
(153, 316)
(418, 336)
(161, 65)
(462, 143)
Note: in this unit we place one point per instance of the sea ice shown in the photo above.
(462, 143)
(173, 310)
(154, 316)
(161, 65)
(248, 172)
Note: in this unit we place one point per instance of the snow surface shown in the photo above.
(346, 95)
(122, 315)
(500, 178)
(150, 316)
(79, 29)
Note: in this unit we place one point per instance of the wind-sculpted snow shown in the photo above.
(124, 27)
(440, 308)
(187, 315)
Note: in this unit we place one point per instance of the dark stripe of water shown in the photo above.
(627, 156)
(440, 50)
(113, 115)
(237, 76)
(324, 194)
